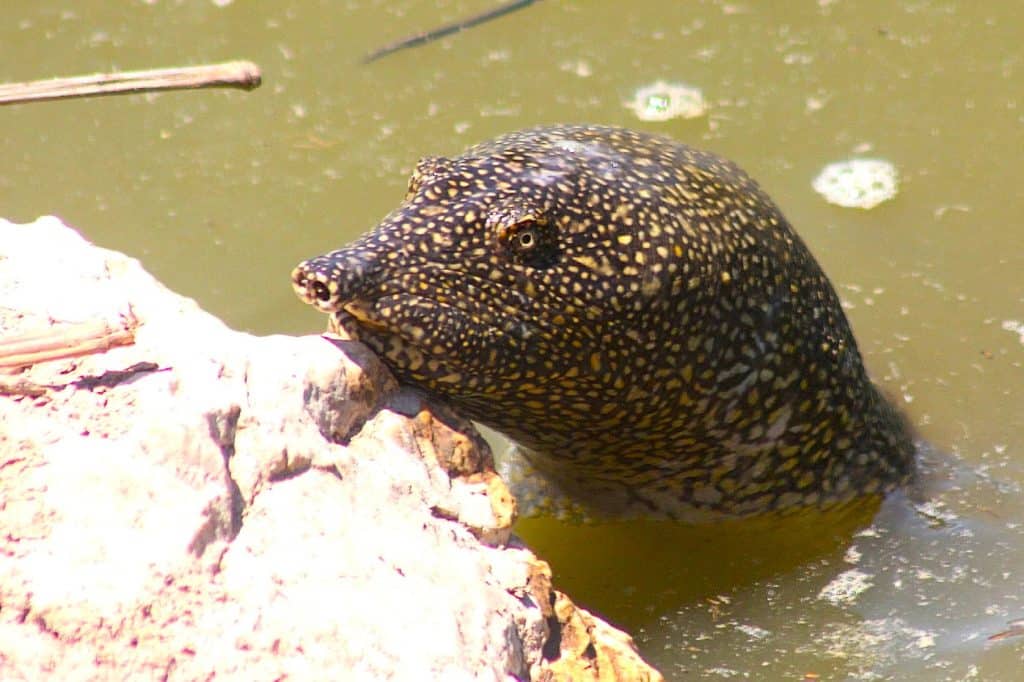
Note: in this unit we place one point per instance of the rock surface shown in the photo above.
(198, 503)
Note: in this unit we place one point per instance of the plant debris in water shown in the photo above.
(662, 101)
(858, 183)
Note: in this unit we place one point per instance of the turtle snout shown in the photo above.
(314, 288)
(329, 282)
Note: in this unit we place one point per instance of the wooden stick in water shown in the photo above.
(447, 29)
(238, 74)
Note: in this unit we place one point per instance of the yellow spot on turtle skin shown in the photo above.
(726, 277)
(789, 499)
(806, 480)
(636, 394)
(624, 239)
(432, 210)
(789, 464)
(622, 212)
(586, 261)
(595, 362)
(789, 451)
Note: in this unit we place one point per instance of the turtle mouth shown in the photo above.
(363, 315)
(430, 340)
(358, 320)
(398, 320)
(414, 336)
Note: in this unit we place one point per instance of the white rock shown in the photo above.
(247, 508)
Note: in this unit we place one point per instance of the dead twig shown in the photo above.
(65, 341)
(442, 31)
(1015, 628)
(238, 74)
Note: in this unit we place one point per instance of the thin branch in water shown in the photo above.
(238, 74)
(440, 32)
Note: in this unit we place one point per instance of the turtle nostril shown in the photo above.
(321, 291)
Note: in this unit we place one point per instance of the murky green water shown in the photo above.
(220, 194)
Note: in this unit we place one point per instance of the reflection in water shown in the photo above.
(632, 572)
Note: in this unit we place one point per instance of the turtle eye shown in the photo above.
(533, 243)
(526, 239)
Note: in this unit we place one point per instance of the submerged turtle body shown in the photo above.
(635, 312)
